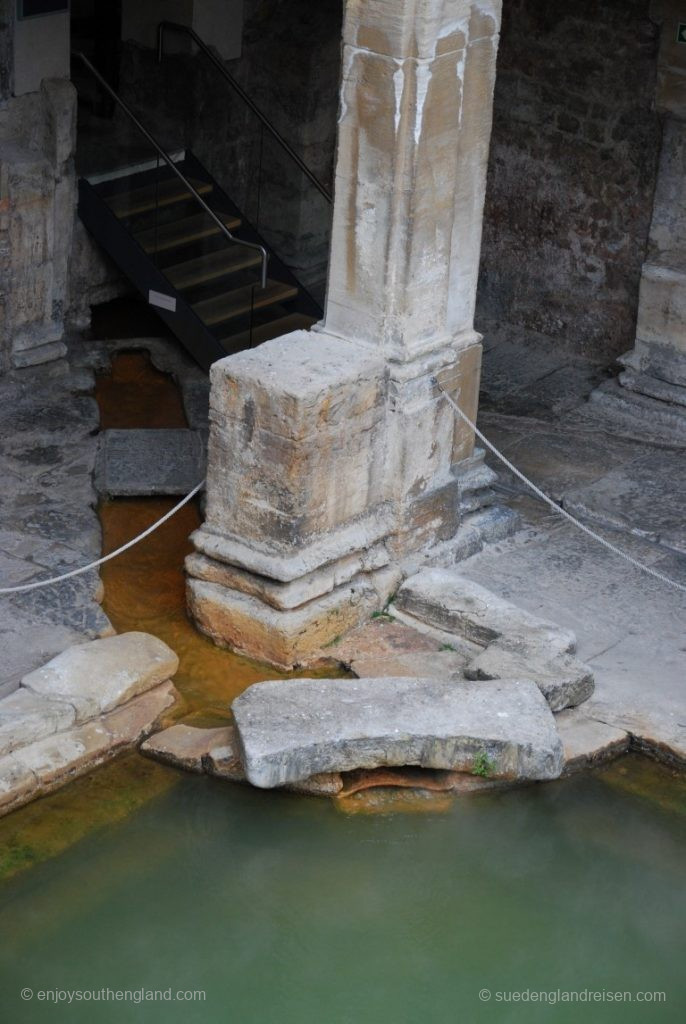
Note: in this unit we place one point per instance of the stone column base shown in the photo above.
(285, 637)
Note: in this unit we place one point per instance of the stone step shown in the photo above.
(49, 763)
(289, 730)
(139, 463)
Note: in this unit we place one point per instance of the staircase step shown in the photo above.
(161, 193)
(265, 332)
(230, 304)
(182, 232)
(213, 265)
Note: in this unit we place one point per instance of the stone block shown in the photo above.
(296, 445)
(444, 599)
(18, 784)
(285, 638)
(662, 307)
(149, 462)
(131, 722)
(65, 755)
(291, 729)
(97, 677)
(185, 746)
(563, 680)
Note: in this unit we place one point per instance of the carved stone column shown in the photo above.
(332, 453)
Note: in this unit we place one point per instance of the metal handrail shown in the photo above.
(168, 160)
(202, 45)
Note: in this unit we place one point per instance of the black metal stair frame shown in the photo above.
(190, 252)
(216, 303)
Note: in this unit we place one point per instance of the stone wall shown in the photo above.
(37, 198)
(572, 171)
(6, 58)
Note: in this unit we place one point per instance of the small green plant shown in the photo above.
(446, 647)
(383, 615)
(483, 766)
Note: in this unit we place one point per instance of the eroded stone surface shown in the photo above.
(149, 462)
(285, 638)
(26, 717)
(292, 729)
(98, 676)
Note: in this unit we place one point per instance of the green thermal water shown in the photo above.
(287, 911)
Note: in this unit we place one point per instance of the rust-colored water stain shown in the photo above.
(145, 590)
(137, 396)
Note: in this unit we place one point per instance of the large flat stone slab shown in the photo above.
(97, 677)
(135, 463)
(292, 729)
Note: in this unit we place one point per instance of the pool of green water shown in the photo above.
(284, 910)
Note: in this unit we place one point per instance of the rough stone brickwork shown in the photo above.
(6, 29)
(572, 171)
(37, 197)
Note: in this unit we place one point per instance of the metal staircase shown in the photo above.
(190, 251)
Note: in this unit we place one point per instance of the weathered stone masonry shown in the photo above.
(332, 454)
(572, 171)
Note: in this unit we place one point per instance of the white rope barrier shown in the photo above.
(106, 558)
(513, 469)
(554, 505)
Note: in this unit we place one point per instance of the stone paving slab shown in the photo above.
(646, 497)
(48, 522)
(134, 463)
(99, 676)
(46, 765)
(292, 729)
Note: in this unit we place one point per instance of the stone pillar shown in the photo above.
(332, 453)
(657, 365)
